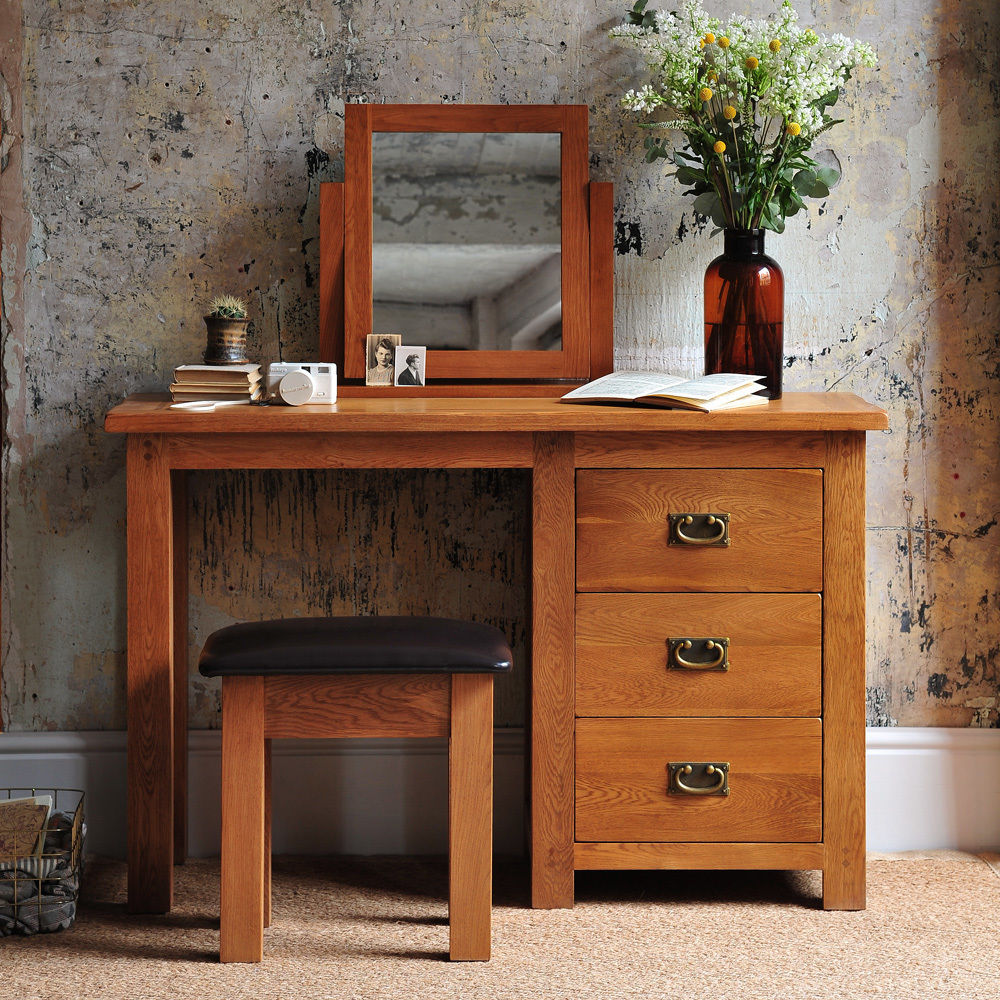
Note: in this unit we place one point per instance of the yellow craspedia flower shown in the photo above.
(719, 147)
(713, 77)
(794, 128)
(774, 45)
(705, 94)
(724, 42)
(709, 39)
(752, 62)
(729, 112)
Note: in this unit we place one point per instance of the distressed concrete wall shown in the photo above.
(165, 152)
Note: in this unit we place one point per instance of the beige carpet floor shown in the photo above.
(377, 928)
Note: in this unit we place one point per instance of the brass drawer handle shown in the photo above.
(718, 523)
(719, 785)
(720, 661)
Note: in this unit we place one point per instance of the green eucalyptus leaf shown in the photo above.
(719, 215)
(706, 202)
(828, 176)
(820, 190)
(688, 175)
(804, 181)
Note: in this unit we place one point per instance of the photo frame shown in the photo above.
(380, 358)
(411, 366)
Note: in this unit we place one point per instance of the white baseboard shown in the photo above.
(927, 789)
(933, 788)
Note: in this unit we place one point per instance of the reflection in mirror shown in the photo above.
(466, 239)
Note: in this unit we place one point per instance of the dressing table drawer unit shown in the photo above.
(719, 669)
(697, 633)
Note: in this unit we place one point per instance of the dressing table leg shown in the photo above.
(552, 671)
(178, 484)
(844, 673)
(150, 675)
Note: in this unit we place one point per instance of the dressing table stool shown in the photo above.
(312, 678)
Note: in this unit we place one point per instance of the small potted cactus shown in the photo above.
(227, 331)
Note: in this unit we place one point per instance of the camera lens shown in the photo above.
(296, 388)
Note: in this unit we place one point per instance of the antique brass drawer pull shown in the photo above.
(719, 773)
(719, 648)
(681, 526)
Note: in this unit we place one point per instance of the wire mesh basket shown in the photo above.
(42, 831)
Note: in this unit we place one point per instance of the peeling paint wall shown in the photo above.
(164, 152)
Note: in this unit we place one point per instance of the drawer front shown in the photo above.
(775, 769)
(624, 665)
(775, 530)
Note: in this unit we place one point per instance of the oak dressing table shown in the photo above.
(613, 703)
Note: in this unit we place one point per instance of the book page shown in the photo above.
(625, 386)
(709, 386)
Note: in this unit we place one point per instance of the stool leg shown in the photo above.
(470, 815)
(242, 919)
(267, 833)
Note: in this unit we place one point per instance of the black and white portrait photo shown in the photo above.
(380, 358)
(410, 365)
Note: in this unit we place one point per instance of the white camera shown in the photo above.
(305, 382)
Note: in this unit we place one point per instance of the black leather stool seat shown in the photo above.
(355, 645)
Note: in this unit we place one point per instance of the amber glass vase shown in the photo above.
(744, 311)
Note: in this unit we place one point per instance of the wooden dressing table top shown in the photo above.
(150, 413)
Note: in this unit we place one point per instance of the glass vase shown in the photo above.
(744, 311)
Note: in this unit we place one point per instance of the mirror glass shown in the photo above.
(466, 239)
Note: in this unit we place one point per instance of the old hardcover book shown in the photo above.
(192, 392)
(706, 393)
(228, 374)
(22, 825)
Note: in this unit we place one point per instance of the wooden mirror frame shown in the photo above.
(587, 248)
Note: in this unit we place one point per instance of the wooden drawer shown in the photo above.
(774, 655)
(774, 780)
(775, 530)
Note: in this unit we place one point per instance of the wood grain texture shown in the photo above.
(357, 236)
(470, 817)
(331, 274)
(267, 833)
(795, 411)
(575, 196)
(776, 530)
(844, 675)
(775, 780)
(751, 450)
(739, 857)
(179, 518)
(602, 278)
(241, 928)
(359, 451)
(151, 638)
(552, 680)
(474, 117)
(306, 707)
(461, 390)
(775, 655)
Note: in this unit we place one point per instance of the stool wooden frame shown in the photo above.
(256, 709)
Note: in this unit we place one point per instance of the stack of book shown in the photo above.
(236, 383)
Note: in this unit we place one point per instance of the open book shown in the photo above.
(706, 393)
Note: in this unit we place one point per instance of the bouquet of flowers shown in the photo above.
(750, 98)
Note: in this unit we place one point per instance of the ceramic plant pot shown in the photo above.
(227, 341)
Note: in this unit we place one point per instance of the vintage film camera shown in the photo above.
(298, 383)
